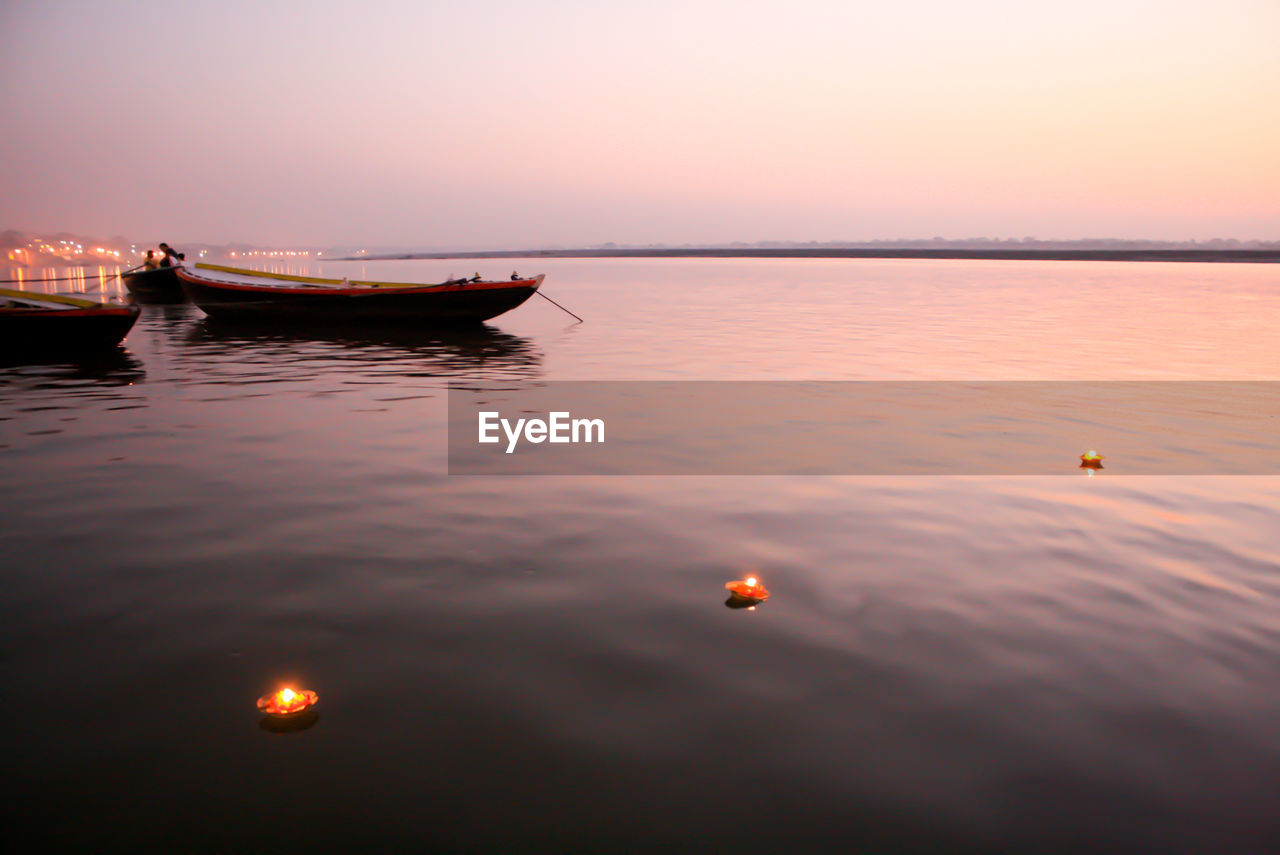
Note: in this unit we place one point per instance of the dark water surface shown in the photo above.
(546, 663)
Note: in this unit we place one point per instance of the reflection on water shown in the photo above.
(57, 396)
(480, 351)
(69, 373)
(290, 724)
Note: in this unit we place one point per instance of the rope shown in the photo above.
(34, 279)
(558, 306)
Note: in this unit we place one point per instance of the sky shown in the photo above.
(496, 124)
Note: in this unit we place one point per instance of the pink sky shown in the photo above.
(507, 124)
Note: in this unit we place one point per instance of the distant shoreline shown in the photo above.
(1246, 256)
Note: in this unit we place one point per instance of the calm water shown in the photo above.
(546, 663)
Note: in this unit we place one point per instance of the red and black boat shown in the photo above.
(157, 285)
(233, 292)
(51, 322)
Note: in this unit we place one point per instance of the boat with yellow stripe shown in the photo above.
(31, 321)
(222, 291)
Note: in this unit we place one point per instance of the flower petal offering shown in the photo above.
(750, 589)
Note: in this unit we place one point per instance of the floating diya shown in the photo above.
(287, 702)
(748, 591)
(1091, 460)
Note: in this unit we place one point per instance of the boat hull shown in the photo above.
(155, 286)
(450, 304)
(64, 330)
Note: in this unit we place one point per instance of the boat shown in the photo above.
(157, 285)
(234, 292)
(52, 322)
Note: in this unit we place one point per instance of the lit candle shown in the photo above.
(1091, 460)
(750, 590)
(287, 702)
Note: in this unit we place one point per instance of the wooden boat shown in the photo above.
(158, 285)
(51, 322)
(233, 292)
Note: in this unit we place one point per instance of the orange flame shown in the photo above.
(287, 701)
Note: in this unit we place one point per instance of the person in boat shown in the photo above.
(151, 262)
(515, 277)
(172, 258)
(475, 278)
